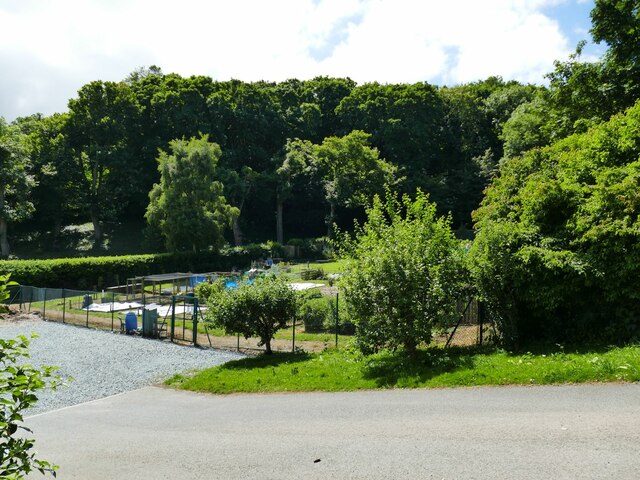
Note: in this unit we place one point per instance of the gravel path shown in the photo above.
(104, 363)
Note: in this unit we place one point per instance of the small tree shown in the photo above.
(188, 206)
(253, 310)
(403, 274)
(18, 386)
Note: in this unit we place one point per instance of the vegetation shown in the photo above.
(187, 206)
(19, 384)
(100, 272)
(336, 370)
(558, 247)
(253, 310)
(403, 275)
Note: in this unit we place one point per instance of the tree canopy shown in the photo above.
(187, 207)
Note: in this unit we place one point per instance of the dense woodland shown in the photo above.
(297, 156)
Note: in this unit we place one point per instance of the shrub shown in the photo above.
(312, 274)
(253, 310)
(403, 273)
(99, 272)
(19, 384)
(558, 250)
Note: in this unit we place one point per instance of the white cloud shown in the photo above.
(50, 49)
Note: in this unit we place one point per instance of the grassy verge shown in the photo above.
(344, 370)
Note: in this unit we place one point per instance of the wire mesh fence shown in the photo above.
(323, 320)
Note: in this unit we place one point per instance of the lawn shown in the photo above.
(345, 370)
(326, 267)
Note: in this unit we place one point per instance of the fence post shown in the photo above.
(293, 343)
(173, 316)
(44, 307)
(481, 319)
(112, 298)
(64, 305)
(20, 297)
(87, 322)
(337, 318)
(195, 321)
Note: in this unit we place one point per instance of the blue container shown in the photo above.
(130, 322)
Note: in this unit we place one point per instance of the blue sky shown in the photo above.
(48, 50)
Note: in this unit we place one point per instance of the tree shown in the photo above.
(528, 127)
(558, 245)
(19, 384)
(101, 122)
(57, 191)
(238, 186)
(15, 182)
(299, 163)
(403, 274)
(188, 206)
(252, 310)
(352, 171)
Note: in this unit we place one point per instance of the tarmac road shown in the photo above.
(556, 432)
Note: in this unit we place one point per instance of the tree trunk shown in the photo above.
(97, 227)
(279, 227)
(267, 346)
(4, 243)
(332, 219)
(237, 232)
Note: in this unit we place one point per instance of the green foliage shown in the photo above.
(5, 294)
(100, 272)
(253, 310)
(558, 248)
(187, 206)
(19, 385)
(312, 274)
(403, 274)
(15, 181)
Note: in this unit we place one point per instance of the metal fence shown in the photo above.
(176, 318)
(323, 321)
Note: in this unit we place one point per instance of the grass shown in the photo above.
(346, 370)
(327, 267)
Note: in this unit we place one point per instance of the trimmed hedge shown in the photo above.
(100, 272)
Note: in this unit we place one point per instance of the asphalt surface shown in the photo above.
(556, 432)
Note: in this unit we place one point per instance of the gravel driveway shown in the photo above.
(103, 363)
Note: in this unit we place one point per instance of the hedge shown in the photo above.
(100, 272)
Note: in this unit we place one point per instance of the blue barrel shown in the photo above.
(130, 322)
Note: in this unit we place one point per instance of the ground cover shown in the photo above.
(346, 369)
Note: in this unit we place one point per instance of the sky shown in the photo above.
(49, 49)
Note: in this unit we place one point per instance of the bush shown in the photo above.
(312, 274)
(99, 272)
(403, 274)
(253, 310)
(319, 315)
(19, 384)
(313, 314)
(558, 250)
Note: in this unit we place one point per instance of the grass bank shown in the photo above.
(345, 370)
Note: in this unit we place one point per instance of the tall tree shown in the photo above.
(297, 164)
(101, 121)
(188, 207)
(16, 182)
